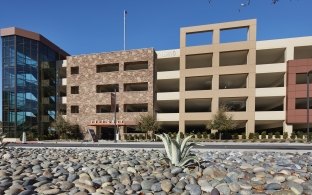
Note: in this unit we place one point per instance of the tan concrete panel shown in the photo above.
(243, 92)
(215, 70)
(199, 49)
(225, 25)
(238, 69)
(197, 72)
(197, 116)
(239, 115)
(198, 94)
(246, 45)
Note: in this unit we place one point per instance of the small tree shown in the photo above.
(65, 129)
(277, 135)
(263, 135)
(147, 124)
(285, 135)
(270, 135)
(300, 134)
(221, 121)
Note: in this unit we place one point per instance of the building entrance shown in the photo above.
(107, 133)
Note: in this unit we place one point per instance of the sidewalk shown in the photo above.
(160, 143)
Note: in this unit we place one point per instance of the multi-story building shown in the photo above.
(263, 83)
(92, 78)
(28, 81)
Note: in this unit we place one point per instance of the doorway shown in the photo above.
(107, 133)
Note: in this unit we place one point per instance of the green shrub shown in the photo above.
(293, 136)
(277, 135)
(132, 137)
(235, 136)
(285, 135)
(310, 137)
(244, 136)
(270, 135)
(212, 136)
(149, 137)
(199, 135)
(251, 136)
(263, 135)
(126, 137)
(205, 135)
(174, 134)
(256, 136)
(300, 134)
(141, 136)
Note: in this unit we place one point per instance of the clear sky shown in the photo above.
(81, 26)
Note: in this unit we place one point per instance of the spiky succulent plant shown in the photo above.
(178, 150)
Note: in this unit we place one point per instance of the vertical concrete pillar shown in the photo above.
(182, 126)
(182, 81)
(289, 55)
(215, 74)
(287, 128)
(122, 132)
(250, 127)
(216, 36)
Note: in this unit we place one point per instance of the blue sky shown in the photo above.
(81, 27)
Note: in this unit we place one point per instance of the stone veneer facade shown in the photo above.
(88, 79)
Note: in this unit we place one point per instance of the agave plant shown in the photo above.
(178, 150)
(2, 144)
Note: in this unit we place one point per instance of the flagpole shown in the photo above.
(125, 13)
(115, 117)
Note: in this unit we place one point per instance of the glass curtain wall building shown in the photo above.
(29, 82)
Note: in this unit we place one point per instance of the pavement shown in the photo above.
(242, 146)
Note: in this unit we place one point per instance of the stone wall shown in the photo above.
(88, 78)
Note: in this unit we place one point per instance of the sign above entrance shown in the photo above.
(107, 123)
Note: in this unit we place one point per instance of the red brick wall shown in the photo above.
(293, 115)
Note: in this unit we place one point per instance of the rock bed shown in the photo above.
(81, 172)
